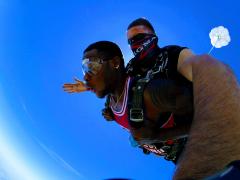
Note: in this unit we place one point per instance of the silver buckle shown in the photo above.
(136, 114)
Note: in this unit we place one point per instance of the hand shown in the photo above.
(77, 87)
(108, 114)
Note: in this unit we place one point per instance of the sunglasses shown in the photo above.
(92, 66)
(139, 38)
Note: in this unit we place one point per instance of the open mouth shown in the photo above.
(92, 90)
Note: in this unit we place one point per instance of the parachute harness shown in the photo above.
(170, 149)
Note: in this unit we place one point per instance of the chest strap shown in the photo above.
(136, 113)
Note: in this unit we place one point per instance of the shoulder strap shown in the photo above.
(136, 113)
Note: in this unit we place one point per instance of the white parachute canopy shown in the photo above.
(219, 37)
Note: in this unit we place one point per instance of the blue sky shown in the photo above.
(48, 134)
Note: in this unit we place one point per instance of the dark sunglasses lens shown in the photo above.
(138, 38)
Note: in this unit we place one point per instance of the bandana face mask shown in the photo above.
(143, 46)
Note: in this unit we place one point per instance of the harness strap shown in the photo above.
(136, 113)
(171, 149)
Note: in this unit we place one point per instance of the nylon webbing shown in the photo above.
(136, 110)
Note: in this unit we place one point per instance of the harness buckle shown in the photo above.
(136, 114)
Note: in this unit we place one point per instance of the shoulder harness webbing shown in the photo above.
(136, 113)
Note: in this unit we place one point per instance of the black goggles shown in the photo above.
(139, 38)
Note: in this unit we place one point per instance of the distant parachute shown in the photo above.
(219, 37)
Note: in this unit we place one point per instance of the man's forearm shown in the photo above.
(153, 135)
(214, 138)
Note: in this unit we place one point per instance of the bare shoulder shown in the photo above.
(187, 59)
(184, 63)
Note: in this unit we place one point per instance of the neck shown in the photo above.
(119, 85)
